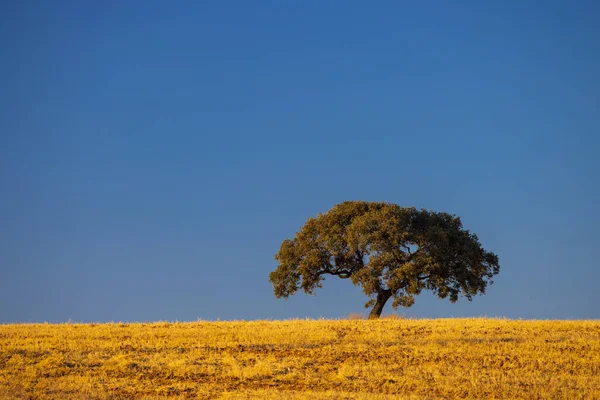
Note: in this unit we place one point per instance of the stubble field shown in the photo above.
(311, 359)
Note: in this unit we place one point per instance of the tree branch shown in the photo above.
(412, 255)
(342, 273)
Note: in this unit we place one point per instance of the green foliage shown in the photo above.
(388, 250)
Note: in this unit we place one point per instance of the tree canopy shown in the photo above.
(388, 250)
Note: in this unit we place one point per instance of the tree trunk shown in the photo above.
(382, 298)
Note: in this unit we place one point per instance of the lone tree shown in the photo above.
(390, 251)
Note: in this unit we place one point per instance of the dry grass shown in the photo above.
(345, 359)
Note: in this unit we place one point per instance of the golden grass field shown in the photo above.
(306, 359)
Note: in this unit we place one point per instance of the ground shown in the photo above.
(310, 359)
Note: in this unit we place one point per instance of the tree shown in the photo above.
(390, 251)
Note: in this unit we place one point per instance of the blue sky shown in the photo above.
(154, 155)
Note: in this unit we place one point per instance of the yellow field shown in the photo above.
(323, 359)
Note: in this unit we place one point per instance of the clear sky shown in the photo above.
(153, 155)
